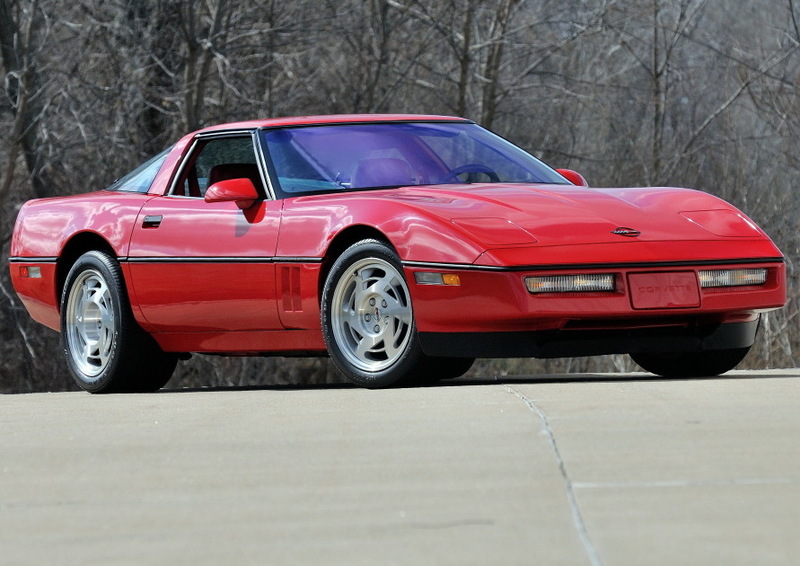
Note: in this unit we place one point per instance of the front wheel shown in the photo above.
(105, 349)
(707, 363)
(367, 316)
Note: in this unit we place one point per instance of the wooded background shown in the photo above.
(697, 93)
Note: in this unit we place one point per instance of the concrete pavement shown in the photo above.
(614, 469)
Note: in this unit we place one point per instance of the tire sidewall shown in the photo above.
(409, 360)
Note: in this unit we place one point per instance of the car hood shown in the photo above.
(499, 215)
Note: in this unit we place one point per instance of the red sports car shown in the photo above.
(403, 246)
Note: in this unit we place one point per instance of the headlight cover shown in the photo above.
(724, 222)
(494, 232)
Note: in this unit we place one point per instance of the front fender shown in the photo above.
(310, 224)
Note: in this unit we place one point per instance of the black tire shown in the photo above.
(367, 316)
(105, 349)
(707, 363)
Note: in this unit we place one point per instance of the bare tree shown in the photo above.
(24, 30)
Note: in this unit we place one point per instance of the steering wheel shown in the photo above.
(471, 168)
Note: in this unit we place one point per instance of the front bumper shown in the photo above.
(492, 314)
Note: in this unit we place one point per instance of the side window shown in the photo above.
(219, 160)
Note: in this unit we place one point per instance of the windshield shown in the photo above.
(365, 156)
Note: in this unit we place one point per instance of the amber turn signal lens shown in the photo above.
(451, 279)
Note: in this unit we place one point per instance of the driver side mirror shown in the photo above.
(240, 191)
(573, 177)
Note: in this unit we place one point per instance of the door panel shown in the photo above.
(198, 266)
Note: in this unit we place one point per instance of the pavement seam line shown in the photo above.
(577, 517)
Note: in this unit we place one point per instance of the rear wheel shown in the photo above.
(690, 364)
(105, 349)
(367, 316)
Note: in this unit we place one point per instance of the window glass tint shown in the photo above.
(363, 156)
(140, 179)
(217, 160)
(225, 150)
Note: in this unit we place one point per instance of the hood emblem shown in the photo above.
(628, 232)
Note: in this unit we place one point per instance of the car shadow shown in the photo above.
(537, 379)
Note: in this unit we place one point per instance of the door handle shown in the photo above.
(152, 221)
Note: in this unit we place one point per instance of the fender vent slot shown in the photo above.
(291, 289)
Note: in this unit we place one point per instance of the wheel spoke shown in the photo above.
(349, 304)
(366, 346)
(79, 332)
(391, 345)
(357, 293)
(380, 285)
(350, 318)
(88, 351)
(104, 345)
(106, 319)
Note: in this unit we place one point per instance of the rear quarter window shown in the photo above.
(140, 179)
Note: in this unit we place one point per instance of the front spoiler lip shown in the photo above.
(574, 343)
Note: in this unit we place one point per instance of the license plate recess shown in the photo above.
(664, 290)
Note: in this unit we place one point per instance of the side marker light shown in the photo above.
(433, 278)
(30, 272)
